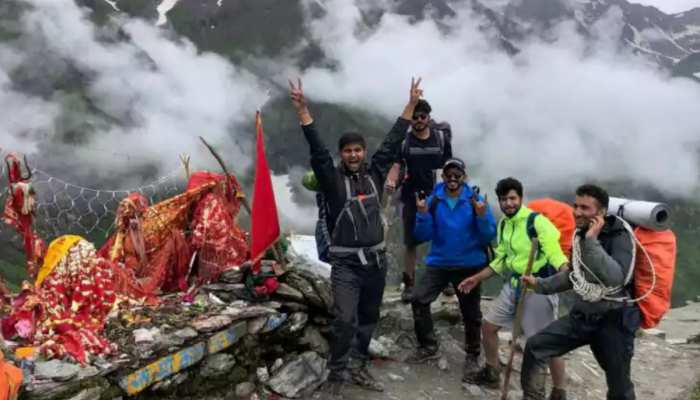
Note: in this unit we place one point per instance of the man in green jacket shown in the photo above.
(516, 229)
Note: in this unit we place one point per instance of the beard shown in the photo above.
(419, 126)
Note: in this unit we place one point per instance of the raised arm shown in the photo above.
(321, 160)
(386, 154)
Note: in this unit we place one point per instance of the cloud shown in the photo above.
(298, 217)
(23, 118)
(556, 114)
(154, 94)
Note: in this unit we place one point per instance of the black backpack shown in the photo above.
(322, 233)
(444, 134)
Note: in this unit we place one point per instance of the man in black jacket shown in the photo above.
(353, 191)
(606, 324)
(422, 154)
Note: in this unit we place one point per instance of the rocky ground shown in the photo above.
(666, 364)
(226, 346)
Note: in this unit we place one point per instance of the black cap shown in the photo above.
(422, 106)
(455, 163)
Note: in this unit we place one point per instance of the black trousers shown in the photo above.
(431, 284)
(610, 336)
(357, 296)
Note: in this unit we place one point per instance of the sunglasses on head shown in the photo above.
(420, 116)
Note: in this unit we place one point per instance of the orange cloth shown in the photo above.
(10, 380)
(23, 353)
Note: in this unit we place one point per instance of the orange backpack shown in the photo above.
(661, 248)
(561, 215)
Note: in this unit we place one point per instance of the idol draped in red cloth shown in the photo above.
(65, 313)
(220, 243)
(149, 250)
(19, 211)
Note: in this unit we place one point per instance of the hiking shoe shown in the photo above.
(488, 377)
(361, 377)
(471, 365)
(421, 355)
(407, 294)
(557, 394)
(534, 385)
(449, 291)
(333, 390)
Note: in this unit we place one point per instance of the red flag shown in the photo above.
(265, 224)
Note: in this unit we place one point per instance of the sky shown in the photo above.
(671, 6)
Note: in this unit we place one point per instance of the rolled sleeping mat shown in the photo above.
(654, 216)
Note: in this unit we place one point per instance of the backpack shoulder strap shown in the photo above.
(530, 226)
(441, 141)
(374, 186)
(433, 205)
(348, 189)
(501, 227)
(532, 231)
(404, 146)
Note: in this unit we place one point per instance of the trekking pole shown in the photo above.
(518, 319)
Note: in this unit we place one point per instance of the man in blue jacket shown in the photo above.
(460, 225)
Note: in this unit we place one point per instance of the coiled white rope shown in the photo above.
(596, 291)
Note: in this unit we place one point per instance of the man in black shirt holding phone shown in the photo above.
(608, 325)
